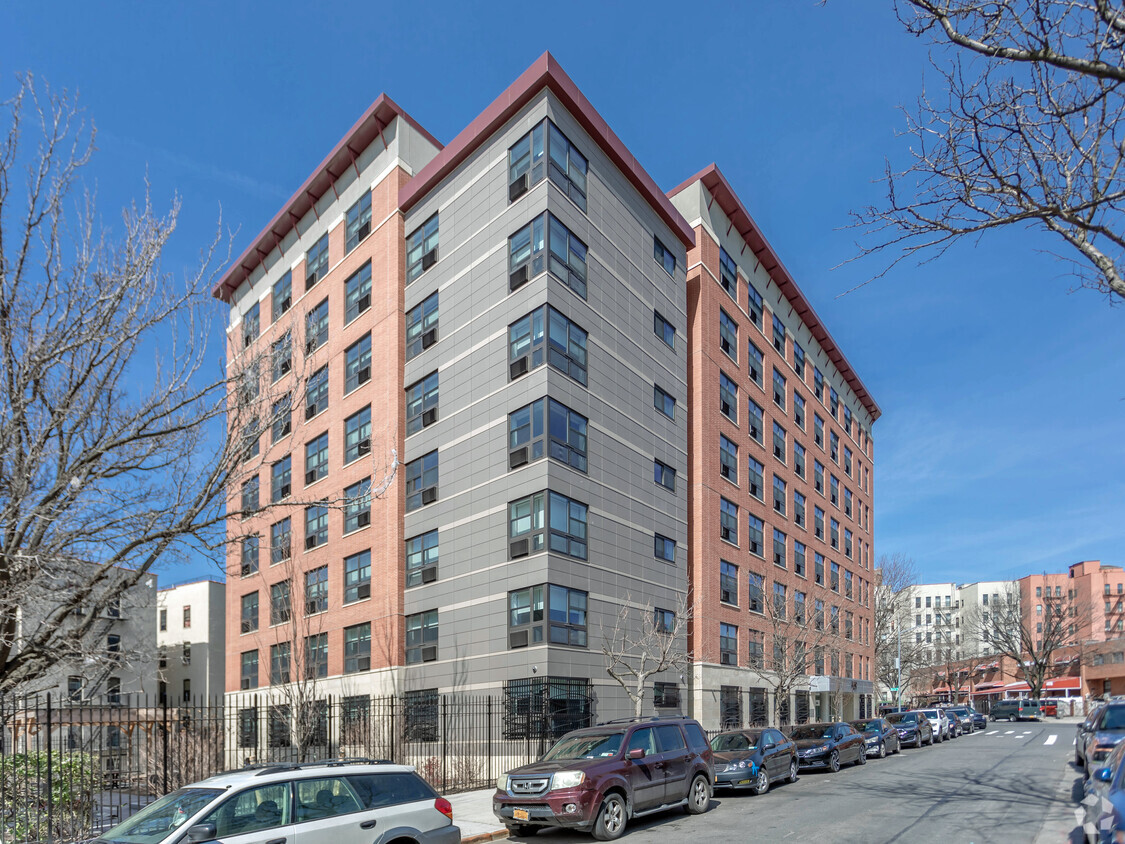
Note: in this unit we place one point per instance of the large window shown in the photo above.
(798, 509)
(357, 648)
(357, 293)
(799, 360)
(316, 393)
(779, 495)
(755, 602)
(664, 256)
(248, 670)
(280, 604)
(357, 363)
(421, 637)
(728, 644)
(779, 335)
(564, 522)
(421, 326)
(798, 459)
(421, 248)
(357, 505)
(664, 329)
(422, 558)
(664, 475)
(728, 397)
(545, 334)
(728, 335)
(249, 613)
(728, 521)
(779, 389)
(545, 243)
(728, 582)
(316, 656)
(756, 542)
(818, 383)
(755, 421)
(357, 222)
(563, 610)
(281, 416)
(281, 356)
(421, 481)
(754, 304)
(779, 548)
(316, 590)
(249, 555)
(798, 410)
(663, 402)
(282, 298)
(316, 262)
(547, 428)
(545, 144)
(566, 610)
(357, 435)
(421, 403)
(316, 459)
(357, 576)
(728, 273)
(279, 665)
(756, 363)
(755, 469)
(728, 459)
(280, 533)
(316, 327)
(250, 490)
(778, 442)
(316, 526)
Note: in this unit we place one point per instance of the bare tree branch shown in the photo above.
(643, 643)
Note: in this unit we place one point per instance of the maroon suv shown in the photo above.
(596, 779)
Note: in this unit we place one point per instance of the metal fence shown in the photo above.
(71, 769)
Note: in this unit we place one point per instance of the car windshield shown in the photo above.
(902, 717)
(960, 710)
(868, 725)
(586, 746)
(930, 713)
(812, 731)
(735, 741)
(154, 822)
(1112, 719)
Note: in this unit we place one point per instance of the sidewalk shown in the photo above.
(472, 811)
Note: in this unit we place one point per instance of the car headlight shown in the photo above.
(567, 779)
(502, 782)
(822, 749)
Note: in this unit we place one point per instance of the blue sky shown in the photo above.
(1000, 451)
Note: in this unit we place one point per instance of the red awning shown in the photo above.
(1017, 687)
(1060, 683)
(983, 686)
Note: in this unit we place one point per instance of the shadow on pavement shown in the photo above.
(668, 821)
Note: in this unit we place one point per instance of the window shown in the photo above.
(834, 490)
(799, 361)
(316, 590)
(421, 481)
(279, 664)
(357, 293)
(357, 577)
(728, 274)
(834, 533)
(546, 427)
(316, 526)
(756, 543)
(779, 495)
(664, 329)
(834, 398)
(728, 583)
(818, 562)
(248, 721)
(357, 435)
(798, 410)
(279, 541)
(778, 335)
(779, 548)
(834, 446)
(248, 670)
(848, 461)
(249, 556)
(421, 403)
(316, 327)
(357, 505)
(422, 558)
(728, 459)
(281, 413)
(755, 476)
(799, 558)
(755, 362)
(798, 509)
(728, 335)
(664, 548)
(546, 244)
(818, 430)
(563, 343)
(755, 594)
(565, 524)
(798, 459)
(663, 402)
(818, 476)
(818, 522)
(163, 620)
(279, 603)
(357, 648)
(249, 613)
(316, 393)
(282, 298)
(754, 304)
(357, 222)
(778, 442)
(664, 475)
(848, 421)
(421, 326)
(779, 389)
(316, 656)
(728, 521)
(250, 495)
(422, 249)
(835, 583)
(316, 262)
(421, 637)
(755, 421)
(663, 256)
(780, 601)
(728, 644)
(251, 324)
(847, 584)
(728, 397)
(665, 695)
(847, 543)
(186, 658)
(316, 459)
(357, 364)
(567, 167)
(281, 356)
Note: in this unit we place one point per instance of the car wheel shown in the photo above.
(931, 741)
(862, 759)
(612, 816)
(699, 797)
(1077, 760)
(762, 783)
(834, 761)
(882, 750)
(793, 769)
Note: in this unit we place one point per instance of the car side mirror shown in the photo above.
(769, 746)
(201, 832)
(1104, 774)
(636, 753)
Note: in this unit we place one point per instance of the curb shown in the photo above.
(482, 837)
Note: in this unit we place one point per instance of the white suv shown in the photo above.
(339, 802)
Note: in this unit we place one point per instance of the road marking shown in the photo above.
(992, 732)
(1051, 739)
(1008, 732)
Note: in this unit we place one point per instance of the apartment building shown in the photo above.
(982, 595)
(191, 640)
(936, 619)
(781, 483)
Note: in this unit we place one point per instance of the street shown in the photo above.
(999, 784)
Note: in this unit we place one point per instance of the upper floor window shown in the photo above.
(779, 389)
(357, 293)
(728, 274)
(316, 262)
(755, 362)
(358, 222)
(728, 521)
(316, 526)
(421, 481)
(421, 326)
(531, 519)
(251, 324)
(664, 475)
(421, 403)
(818, 383)
(755, 420)
(248, 564)
(357, 577)
(357, 435)
(316, 327)
(316, 459)
(799, 410)
(663, 256)
(547, 427)
(834, 400)
(847, 420)
(664, 329)
(664, 548)
(779, 335)
(547, 334)
(754, 304)
(281, 356)
(728, 459)
(728, 397)
(422, 558)
(357, 363)
(316, 590)
(728, 335)
(663, 402)
(421, 248)
(282, 298)
(567, 166)
(316, 393)
(357, 505)
(542, 244)
(799, 360)
(421, 637)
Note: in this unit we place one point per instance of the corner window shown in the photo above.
(357, 293)
(357, 435)
(421, 637)
(547, 334)
(543, 244)
(563, 525)
(547, 428)
(282, 298)
(564, 613)
(316, 393)
(357, 223)
(664, 330)
(567, 167)
(422, 249)
(421, 326)
(421, 404)
(316, 262)
(422, 559)
(728, 274)
(663, 402)
(663, 256)
(421, 481)
(357, 577)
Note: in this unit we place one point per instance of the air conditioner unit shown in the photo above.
(518, 367)
(286, 304)
(429, 574)
(285, 490)
(429, 495)
(363, 590)
(363, 519)
(310, 542)
(286, 429)
(519, 548)
(364, 663)
(779, 452)
(517, 458)
(429, 653)
(725, 408)
(286, 365)
(363, 376)
(518, 188)
(310, 477)
(429, 417)
(429, 338)
(726, 534)
(518, 278)
(517, 639)
(247, 339)
(364, 303)
(429, 259)
(311, 410)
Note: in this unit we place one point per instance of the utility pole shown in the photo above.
(898, 669)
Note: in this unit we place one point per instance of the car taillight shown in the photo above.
(444, 806)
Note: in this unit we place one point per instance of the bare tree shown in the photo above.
(1025, 131)
(643, 642)
(897, 654)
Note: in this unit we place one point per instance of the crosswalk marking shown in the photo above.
(992, 732)
(1051, 739)
(1008, 732)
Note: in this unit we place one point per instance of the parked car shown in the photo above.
(1084, 730)
(598, 778)
(1015, 710)
(753, 759)
(880, 736)
(980, 720)
(1104, 800)
(326, 801)
(1108, 730)
(829, 745)
(964, 717)
(939, 722)
(913, 727)
(1049, 708)
(953, 721)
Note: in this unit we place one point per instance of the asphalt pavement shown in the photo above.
(1008, 783)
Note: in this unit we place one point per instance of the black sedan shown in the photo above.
(753, 759)
(828, 745)
(880, 736)
(913, 727)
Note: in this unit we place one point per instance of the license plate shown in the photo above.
(521, 814)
